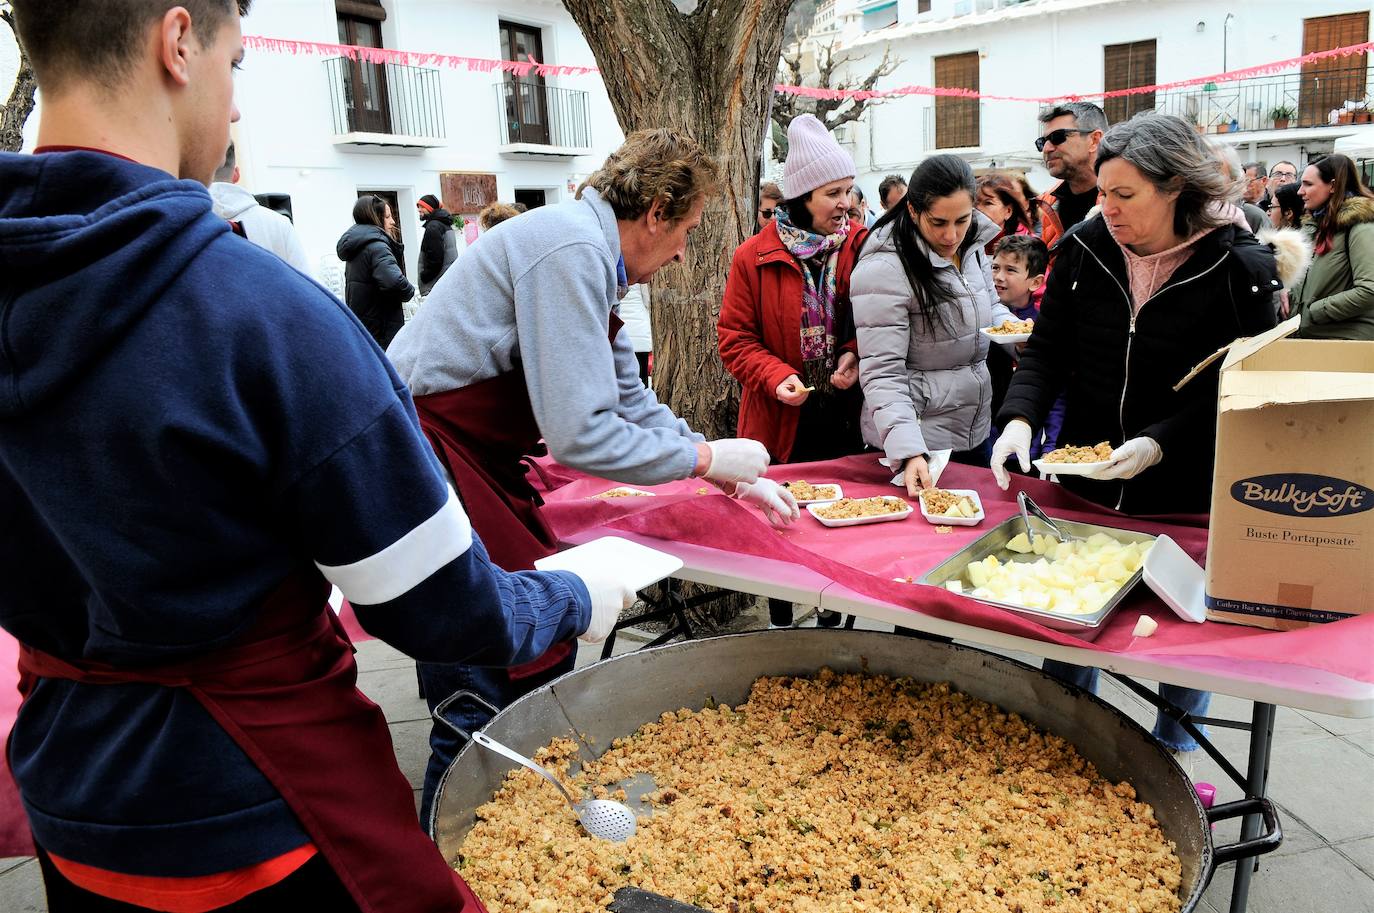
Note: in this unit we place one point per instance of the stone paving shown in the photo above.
(1322, 778)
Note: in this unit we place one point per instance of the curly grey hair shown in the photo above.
(1169, 153)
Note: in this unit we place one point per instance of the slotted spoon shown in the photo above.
(601, 818)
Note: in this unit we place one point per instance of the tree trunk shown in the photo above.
(20, 104)
(709, 74)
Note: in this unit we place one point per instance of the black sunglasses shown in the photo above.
(1057, 137)
(766, 213)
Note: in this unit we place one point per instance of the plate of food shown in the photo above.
(1010, 331)
(807, 493)
(857, 511)
(623, 491)
(951, 506)
(1075, 461)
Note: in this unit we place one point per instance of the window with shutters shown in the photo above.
(1125, 66)
(922, 6)
(956, 119)
(1327, 83)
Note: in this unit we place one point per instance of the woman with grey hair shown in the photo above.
(1137, 298)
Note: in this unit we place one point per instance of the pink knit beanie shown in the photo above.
(814, 159)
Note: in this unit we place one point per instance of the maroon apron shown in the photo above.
(487, 437)
(286, 694)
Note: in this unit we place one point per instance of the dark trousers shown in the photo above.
(643, 359)
(440, 680)
(313, 886)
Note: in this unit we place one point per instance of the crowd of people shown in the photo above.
(184, 482)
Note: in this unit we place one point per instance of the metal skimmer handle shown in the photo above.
(492, 745)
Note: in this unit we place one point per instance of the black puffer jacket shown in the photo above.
(375, 288)
(1118, 372)
(438, 248)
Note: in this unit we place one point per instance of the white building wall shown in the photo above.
(285, 135)
(1054, 47)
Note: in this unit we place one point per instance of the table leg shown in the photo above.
(1257, 782)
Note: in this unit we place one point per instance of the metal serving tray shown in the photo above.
(1087, 627)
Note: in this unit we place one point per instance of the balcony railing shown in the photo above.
(385, 99)
(538, 115)
(1251, 103)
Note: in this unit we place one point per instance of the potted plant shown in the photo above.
(1281, 115)
(1360, 110)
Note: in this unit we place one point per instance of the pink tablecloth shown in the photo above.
(868, 558)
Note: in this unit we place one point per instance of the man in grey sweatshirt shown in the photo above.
(522, 342)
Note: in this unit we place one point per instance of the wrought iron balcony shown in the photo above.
(1292, 100)
(385, 104)
(537, 119)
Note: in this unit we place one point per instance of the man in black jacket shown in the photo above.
(439, 248)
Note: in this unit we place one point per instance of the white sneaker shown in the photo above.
(1187, 760)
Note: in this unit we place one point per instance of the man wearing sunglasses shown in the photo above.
(1069, 135)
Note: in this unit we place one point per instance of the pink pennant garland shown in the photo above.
(524, 68)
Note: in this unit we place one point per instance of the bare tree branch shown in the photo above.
(833, 112)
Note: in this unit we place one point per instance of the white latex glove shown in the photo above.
(736, 460)
(611, 595)
(776, 502)
(1015, 439)
(1130, 459)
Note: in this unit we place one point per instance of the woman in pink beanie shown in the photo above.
(786, 332)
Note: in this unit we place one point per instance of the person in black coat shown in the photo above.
(1138, 296)
(439, 247)
(375, 287)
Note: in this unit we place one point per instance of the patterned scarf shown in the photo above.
(818, 298)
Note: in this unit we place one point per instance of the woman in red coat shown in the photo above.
(786, 332)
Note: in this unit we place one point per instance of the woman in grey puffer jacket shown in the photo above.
(921, 290)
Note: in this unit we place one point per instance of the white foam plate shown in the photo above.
(639, 565)
(942, 520)
(839, 493)
(1069, 469)
(629, 492)
(1004, 337)
(860, 521)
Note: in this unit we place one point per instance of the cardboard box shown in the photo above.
(1292, 527)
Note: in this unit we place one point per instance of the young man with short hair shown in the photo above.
(181, 481)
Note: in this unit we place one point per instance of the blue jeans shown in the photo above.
(492, 684)
(1166, 730)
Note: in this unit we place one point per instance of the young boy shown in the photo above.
(1018, 274)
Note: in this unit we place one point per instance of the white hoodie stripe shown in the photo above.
(407, 562)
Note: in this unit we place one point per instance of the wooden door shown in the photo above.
(1125, 66)
(365, 90)
(1328, 83)
(956, 119)
(527, 98)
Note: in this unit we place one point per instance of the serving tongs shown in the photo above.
(1029, 508)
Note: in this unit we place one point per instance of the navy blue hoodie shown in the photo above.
(184, 421)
